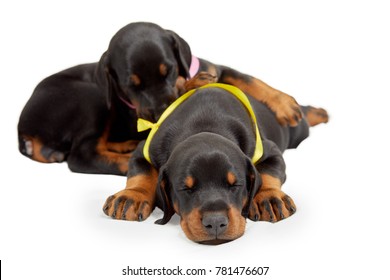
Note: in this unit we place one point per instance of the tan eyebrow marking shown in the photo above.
(189, 181)
(135, 79)
(231, 178)
(163, 70)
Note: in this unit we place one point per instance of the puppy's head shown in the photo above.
(146, 66)
(209, 182)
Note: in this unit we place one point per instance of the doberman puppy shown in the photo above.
(202, 152)
(86, 115)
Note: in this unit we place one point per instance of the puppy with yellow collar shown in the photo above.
(218, 156)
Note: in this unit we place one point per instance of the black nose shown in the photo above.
(215, 223)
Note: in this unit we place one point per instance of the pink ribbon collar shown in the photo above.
(194, 67)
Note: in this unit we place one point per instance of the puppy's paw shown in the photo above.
(286, 108)
(271, 205)
(129, 204)
(315, 116)
(201, 79)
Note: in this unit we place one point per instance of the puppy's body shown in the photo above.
(67, 118)
(87, 114)
(203, 153)
(223, 114)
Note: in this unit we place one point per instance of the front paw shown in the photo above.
(287, 110)
(129, 204)
(271, 205)
(201, 79)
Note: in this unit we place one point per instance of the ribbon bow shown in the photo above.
(143, 125)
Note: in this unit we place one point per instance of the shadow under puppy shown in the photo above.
(203, 152)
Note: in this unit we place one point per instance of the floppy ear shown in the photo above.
(182, 53)
(253, 183)
(163, 197)
(105, 79)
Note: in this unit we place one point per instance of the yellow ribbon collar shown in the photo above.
(143, 125)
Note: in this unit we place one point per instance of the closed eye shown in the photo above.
(235, 187)
(186, 189)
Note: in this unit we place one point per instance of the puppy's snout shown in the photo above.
(215, 223)
(152, 114)
(148, 114)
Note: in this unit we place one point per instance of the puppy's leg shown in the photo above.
(33, 148)
(200, 79)
(137, 200)
(315, 116)
(91, 155)
(283, 105)
(271, 203)
(122, 147)
(95, 154)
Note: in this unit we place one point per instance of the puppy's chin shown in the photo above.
(214, 241)
(148, 115)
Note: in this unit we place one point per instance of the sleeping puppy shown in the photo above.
(214, 168)
(86, 115)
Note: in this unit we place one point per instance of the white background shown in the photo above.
(334, 54)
